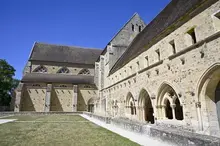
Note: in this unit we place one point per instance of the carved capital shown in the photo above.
(173, 106)
(159, 106)
(153, 96)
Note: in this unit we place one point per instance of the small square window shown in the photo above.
(216, 21)
(147, 60)
(192, 35)
(140, 28)
(172, 43)
(217, 15)
(158, 54)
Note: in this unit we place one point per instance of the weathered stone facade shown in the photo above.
(174, 81)
(172, 78)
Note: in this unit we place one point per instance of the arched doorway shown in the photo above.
(91, 105)
(168, 110)
(217, 101)
(208, 91)
(146, 111)
(178, 110)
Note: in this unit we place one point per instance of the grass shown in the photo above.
(57, 130)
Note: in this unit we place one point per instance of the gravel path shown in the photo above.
(2, 121)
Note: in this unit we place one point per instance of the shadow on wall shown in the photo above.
(26, 101)
(55, 104)
(81, 104)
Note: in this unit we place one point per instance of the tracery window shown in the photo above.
(84, 72)
(64, 70)
(63, 86)
(40, 69)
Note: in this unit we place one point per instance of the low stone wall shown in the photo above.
(40, 113)
(168, 134)
(101, 118)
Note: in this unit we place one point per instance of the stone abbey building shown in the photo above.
(166, 72)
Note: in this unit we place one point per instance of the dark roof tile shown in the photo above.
(67, 54)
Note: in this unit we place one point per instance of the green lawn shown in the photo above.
(54, 130)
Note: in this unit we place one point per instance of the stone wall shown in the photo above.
(84, 95)
(172, 75)
(33, 97)
(62, 98)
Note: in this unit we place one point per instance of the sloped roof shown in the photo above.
(117, 33)
(57, 78)
(67, 54)
(161, 26)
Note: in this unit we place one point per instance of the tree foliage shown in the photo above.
(7, 83)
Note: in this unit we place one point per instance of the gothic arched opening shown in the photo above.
(217, 101)
(169, 103)
(168, 108)
(146, 111)
(178, 110)
(91, 105)
(208, 91)
(130, 103)
(132, 108)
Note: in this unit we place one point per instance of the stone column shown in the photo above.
(48, 98)
(198, 108)
(159, 112)
(18, 97)
(163, 116)
(75, 95)
(173, 111)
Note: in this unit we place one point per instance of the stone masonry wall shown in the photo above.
(181, 71)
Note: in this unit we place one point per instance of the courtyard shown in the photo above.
(53, 130)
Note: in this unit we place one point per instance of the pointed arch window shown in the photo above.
(84, 72)
(64, 70)
(40, 69)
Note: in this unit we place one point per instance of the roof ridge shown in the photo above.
(77, 47)
(124, 25)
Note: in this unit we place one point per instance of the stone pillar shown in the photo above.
(48, 98)
(173, 111)
(75, 95)
(18, 97)
(198, 108)
(163, 116)
(159, 112)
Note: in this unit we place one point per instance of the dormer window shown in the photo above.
(192, 35)
(158, 54)
(172, 43)
(147, 61)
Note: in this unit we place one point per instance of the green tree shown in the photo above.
(7, 83)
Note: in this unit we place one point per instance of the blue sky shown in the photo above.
(87, 23)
